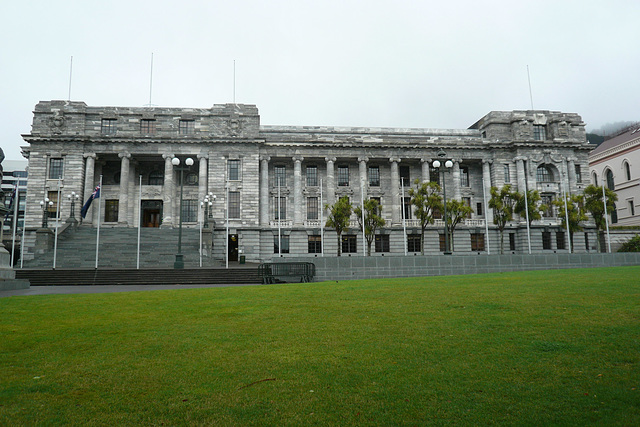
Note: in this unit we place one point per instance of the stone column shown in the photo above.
(123, 204)
(362, 161)
(202, 184)
(89, 176)
(486, 177)
(565, 177)
(425, 169)
(456, 180)
(297, 190)
(331, 181)
(573, 182)
(168, 193)
(520, 173)
(264, 190)
(396, 217)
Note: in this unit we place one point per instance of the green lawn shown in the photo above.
(544, 347)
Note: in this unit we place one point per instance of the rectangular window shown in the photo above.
(343, 176)
(413, 243)
(312, 208)
(614, 214)
(233, 169)
(108, 127)
(586, 241)
(349, 244)
(379, 200)
(405, 176)
(479, 209)
(464, 176)
(56, 167)
(546, 240)
(111, 210)
(234, 204)
(406, 207)
(434, 175)
(547, 200)
(632, 209)
(512, 241)
(507, 174)
(281, 176)
(147, 127)
(477, 242)
(280, 209)
(578, 175)
(312, 176)
(467, 202)
(382, 243)
(539, 132)
(52, 209)
(442, 242)
(560, 240)
(189, 210)
(374, 176)
(285, 244)
(186, 127)
(315, 244)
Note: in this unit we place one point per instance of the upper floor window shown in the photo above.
(405, 176)
(233, 169)
(539, 132)
(610, 183)
(234, 204)
(594, 177)
(56, 167)
(464, 176)
(632, 208)
(312, 208)
(374, 176)
(578, 174)
(544, 174)
(156, 178)
(343, 176)
(147, 126)
(627, 171)
(434, 175)
(507, 174)
(312, 176)
(108, 126)
(281, 177)
(186, 127)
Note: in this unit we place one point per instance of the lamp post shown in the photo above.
(207, 204)
(45, 204)
(179, 262)
(447, 164)
(73, 198)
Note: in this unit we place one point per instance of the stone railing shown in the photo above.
(283, 223)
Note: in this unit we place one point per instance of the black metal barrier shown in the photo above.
(272, 272)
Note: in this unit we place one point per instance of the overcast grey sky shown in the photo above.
(432, 64)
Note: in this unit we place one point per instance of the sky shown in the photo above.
(397, 63)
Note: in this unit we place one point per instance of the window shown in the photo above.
(539, 132)
(477, 242)
(611, 185)
(285, 244)
(379, 200)
(406, 207)
(578, 174)
(111, 210)
(234, 204)
(594, 177)
(627, 171)
(560, 240)
(512, 241)
(280, 209)
(547, 200)
(632, 210)
(382, 243)
(479, 209)
(464, 176)
(52, 210)
(108, 127)
(546, 240)
(343, 176)
(56, 167)
(186, 127)
(507, 174)
(281, 176)
(544, 174)
(156, 178)
(586, 241)
(233, 171)
(614, 214)
(147, 126)
(312, 176)
(312, 208)
(434, 175)
(349, 244)
(315, 244)
(467, 202)
(442, 243)
(374, 176)
(413, 243)
(405, 176)
(189, 210)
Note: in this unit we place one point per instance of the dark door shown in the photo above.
(233, 247)
(151, 213)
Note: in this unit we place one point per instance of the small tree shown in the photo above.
(427, 200)
(372, 220)
(576, 214)
(457, 211)
(338, 219)
(594, 205)
(502, 202)
(536, 209)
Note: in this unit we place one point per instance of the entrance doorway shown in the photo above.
(151, 213)
(233, 247)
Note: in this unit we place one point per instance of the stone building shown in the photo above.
(271, 182)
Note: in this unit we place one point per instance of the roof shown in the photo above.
(629, 135)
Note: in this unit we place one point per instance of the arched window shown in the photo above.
(627, 170)
(609, 177)
(156, 177)
(594, 177)
(544, 174)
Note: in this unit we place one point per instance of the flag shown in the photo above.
(94, 195)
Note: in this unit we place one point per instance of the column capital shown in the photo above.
(124, 154)
(330, 159)
(519, 158)
(202, 156)
(426, 160)
(395, 159)
(168, 156)
(297, 158)
(265, 158)
(485, 161)
(89, 155)
(363, 159)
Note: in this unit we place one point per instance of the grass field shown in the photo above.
(526, 348)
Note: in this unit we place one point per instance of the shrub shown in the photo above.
(632, 245)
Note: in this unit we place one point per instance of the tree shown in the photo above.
(339, 215)
(536, 209)
(576, 214)
(502, 202)
(427, 200)
(372, 220)
(457, 210)
(594, 205)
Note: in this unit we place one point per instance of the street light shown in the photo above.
(45, 204)
(447, 164)
(73, 198)
(207, 204)
(179, 262)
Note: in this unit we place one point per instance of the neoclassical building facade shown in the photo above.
(265, 186)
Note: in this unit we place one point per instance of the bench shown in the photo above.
(272, 272)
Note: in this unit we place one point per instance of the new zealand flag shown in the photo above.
(94, 195)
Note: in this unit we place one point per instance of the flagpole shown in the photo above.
(279, 221)
(16, 202)
(364, 240)
(98, 230)
(486, 215)
(321, 221)
(55, 241)
(227, 239)
(139, 223)
(566, 214)
(606, 218)
(404, 219)
(23, 230)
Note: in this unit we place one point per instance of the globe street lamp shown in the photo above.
(45, 205)
(447, 164)
(207, 204)
(179, 262)
(73, 198)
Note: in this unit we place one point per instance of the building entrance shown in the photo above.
(233, 247)
(151, 213)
